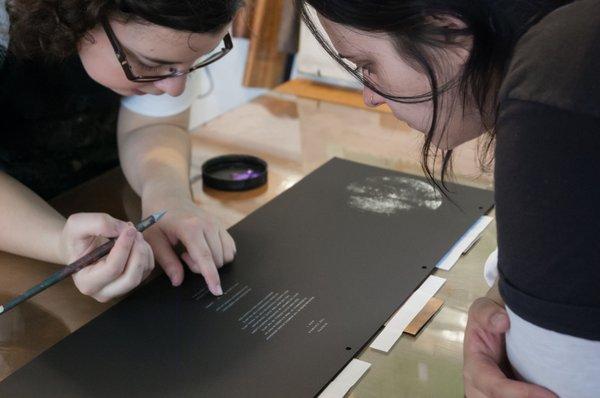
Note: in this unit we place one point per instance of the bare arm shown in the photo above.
(155, 156)
(29, 226)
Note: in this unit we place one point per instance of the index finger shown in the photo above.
(203, 263)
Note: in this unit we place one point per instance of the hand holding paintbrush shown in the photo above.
(90, 258)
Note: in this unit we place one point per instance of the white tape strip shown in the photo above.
(415, 303)
(346, 379)
(448, 261)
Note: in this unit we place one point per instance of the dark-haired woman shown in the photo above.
(84, 83)
(526, 74)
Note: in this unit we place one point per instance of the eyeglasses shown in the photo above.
(131, 74)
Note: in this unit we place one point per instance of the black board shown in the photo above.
(319, 269)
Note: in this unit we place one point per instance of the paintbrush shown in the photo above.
(89, 259)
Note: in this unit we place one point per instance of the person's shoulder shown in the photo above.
(4, 30)
(557, 61)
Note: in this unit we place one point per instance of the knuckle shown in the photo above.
(104, 218)
(71, 220)
(210, 225)
(201, 224)
(194, 223)
(191, 236)
(206, 256)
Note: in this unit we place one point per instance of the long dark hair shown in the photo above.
(493, 26)
(52, 29)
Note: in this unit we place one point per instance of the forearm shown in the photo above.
(156, 161)
(28, 225)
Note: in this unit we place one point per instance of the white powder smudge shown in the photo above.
(392, 194)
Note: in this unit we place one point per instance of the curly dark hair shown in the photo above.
(52, 29)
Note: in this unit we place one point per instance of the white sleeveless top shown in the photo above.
(567, 365)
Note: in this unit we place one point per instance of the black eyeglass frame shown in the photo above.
(120, 53)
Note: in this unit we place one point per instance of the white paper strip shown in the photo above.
(415, 303)
(346, 379)
(464, 243)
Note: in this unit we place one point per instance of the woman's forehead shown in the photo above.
(352, 42)
(166, 43)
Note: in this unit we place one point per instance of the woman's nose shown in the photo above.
(371, 98)
(173, 86)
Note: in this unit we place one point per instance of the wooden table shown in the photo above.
(295, 135)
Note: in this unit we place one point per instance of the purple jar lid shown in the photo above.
(234, 172)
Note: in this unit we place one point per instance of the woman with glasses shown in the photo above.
(86, 85)
(524, 75)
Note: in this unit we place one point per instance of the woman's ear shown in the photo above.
(89, 38)
(453, 30)
(448, 22)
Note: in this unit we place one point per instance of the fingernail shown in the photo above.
(173, 279)
(499, 320)
(218, 290)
